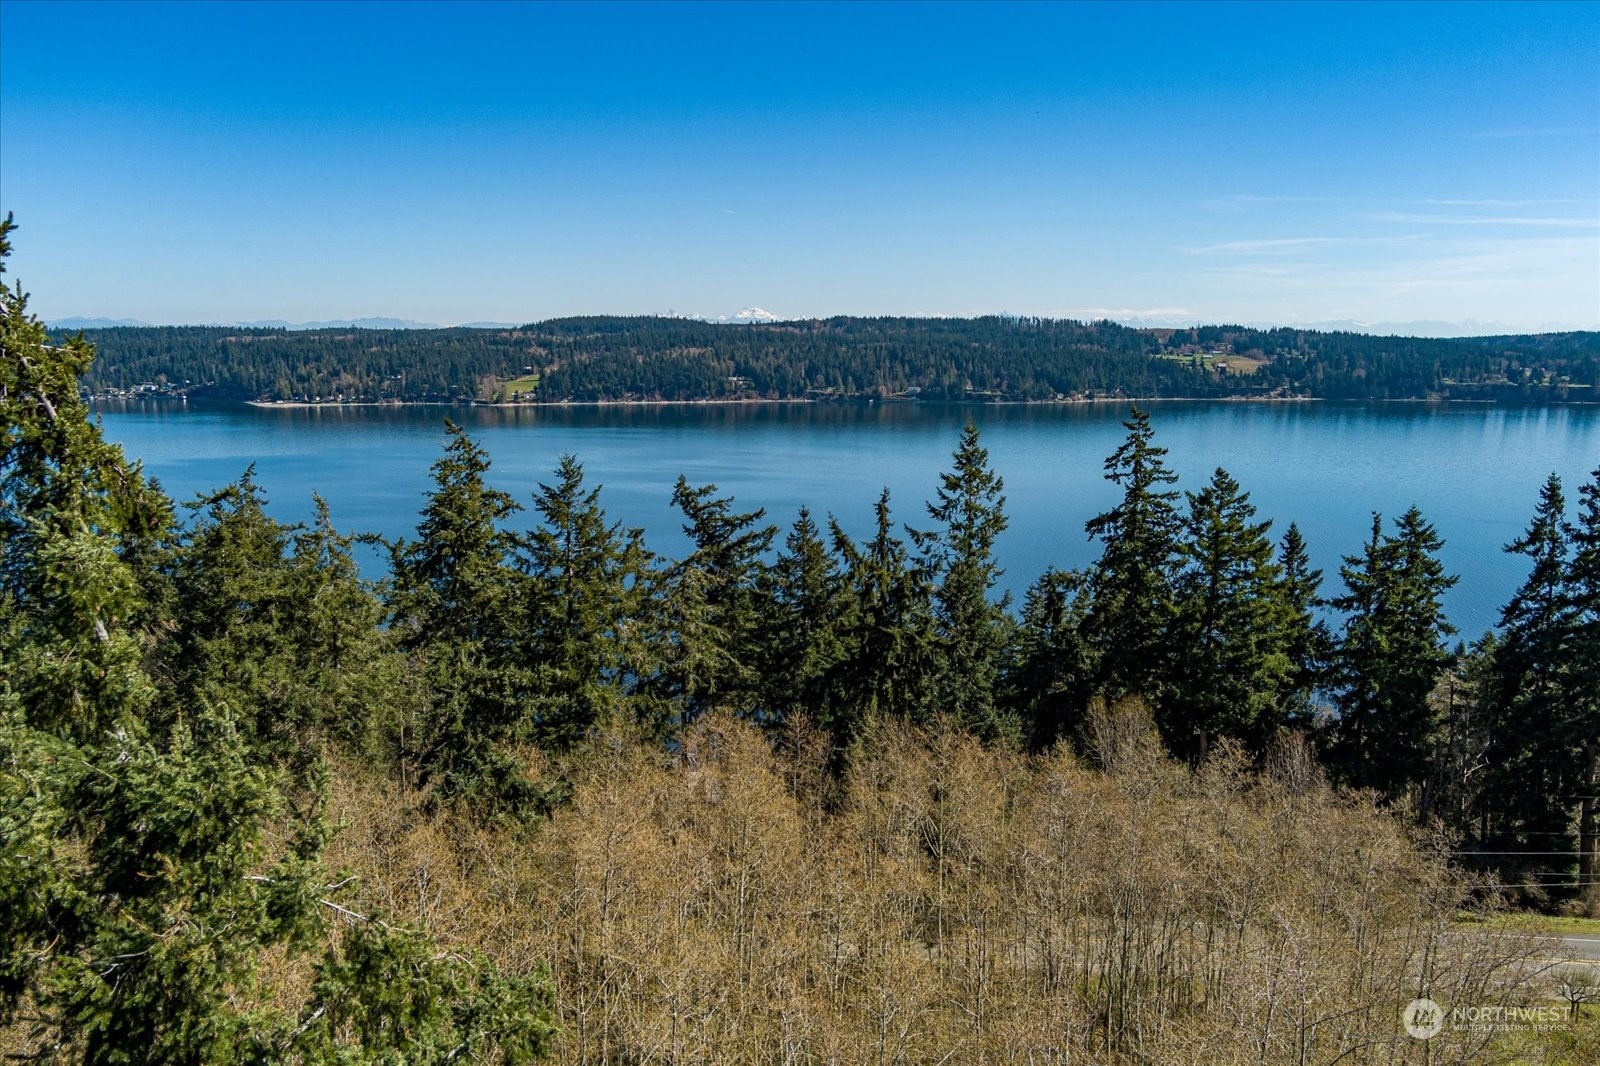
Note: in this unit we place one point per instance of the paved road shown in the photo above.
(1585, 948)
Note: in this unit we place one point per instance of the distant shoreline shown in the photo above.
(288, 405)
(866, 400)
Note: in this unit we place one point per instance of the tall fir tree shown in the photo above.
(230, 595)
(892, 658)
(958, 557)
(714, 604)
(453, 604)
(283, 640)
(1230, 661)
(1532, 766)
(1051, 670)
(348, 677)
(587, 581)
(1584, 660)
(1131, 607)
(1391, 654)
(806, 629)
(81, 535)
(1306, 638)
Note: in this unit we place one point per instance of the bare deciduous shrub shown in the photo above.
(947, 902)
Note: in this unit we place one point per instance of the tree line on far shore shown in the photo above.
(947, 360)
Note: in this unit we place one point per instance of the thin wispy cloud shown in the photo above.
(1442, 274)
(1284, 245)
(1124, 314)
(1510, 203)
(1263, 271)
(1485, 220)
(1238, 202)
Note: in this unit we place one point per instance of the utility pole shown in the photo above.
(1588, 890)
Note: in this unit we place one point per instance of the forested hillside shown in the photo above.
(543, 791)
(593, 359)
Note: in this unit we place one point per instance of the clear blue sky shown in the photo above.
(451, 163)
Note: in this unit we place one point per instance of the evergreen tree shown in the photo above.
(453, 604)
(714, 605)
(347, 677)
(139, 894)
(1391, 654)
(891, 664)
(959, 560)
(1532, 765)
(234, 645)
(75, 519)
(1307, 641)
(806, 641)
(1131, 604)
(1583, 657)
(1049, 679)
(1230, 656)
(586, 581)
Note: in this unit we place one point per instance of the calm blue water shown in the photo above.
(1474, 470)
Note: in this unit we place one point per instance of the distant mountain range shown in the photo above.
(749, 316)
(1470, 327)
(745, 317)
(93, 323)
(1439, 328)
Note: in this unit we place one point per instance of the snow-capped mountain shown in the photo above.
(749, 316)
(338, 323)
(80, 322)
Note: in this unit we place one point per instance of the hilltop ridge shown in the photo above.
(992, 359)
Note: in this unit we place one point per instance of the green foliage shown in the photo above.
(35, 768)
(715, 604)
(959, 559)
(1131, 601)
(454, 603)
(587, 587)
(155, 853)
(275, 622)
(387, 997)
(1583, 587)
(1390, 656)
(1231, 665)
(891, 664)
(1307, 641)
(73, 513)
(1540, 705)
(161, 924)
(651, 358)
(1532, 763)
(1050, 677)
(805, 640)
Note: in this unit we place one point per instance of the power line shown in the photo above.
(1516, 853)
